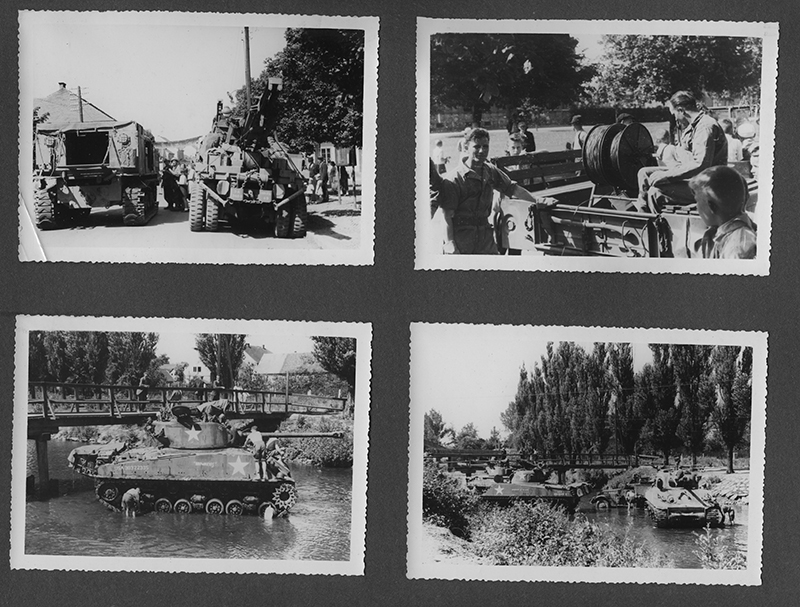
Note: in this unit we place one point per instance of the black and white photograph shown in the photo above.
(586, 454)
(607, 146)
(146, 444)
(197, 137)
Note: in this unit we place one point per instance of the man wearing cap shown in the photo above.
(579, 135)
(704, 145)
(466, 198)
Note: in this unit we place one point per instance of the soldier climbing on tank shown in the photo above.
(704, 145)
(274, 459)
(255, 442)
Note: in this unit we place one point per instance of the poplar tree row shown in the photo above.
(575, 402)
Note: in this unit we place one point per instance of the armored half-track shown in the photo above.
(597, 214)
(533, 486)
(243, 176)
(675, 500)
(197, 467)
(82, 165)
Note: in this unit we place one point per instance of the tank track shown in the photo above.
(138, 206)
(280, 498)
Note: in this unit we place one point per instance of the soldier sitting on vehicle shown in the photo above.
(255, 441)
(705, 146)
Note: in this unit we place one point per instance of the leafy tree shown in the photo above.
(222, 354)
(337, 355)
(730, 415)
(695, 392)
(656, 396)
(520, 417)
(37, 357)
(323, 87)
(506, 70)
(131, 355)
(597, 399)
(467, 438)
(436, 431)
(639, 69)
(628, 421)
(494, 442)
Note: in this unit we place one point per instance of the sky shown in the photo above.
(472, 375)
(166, 77)
(590, 45)
(180, 346)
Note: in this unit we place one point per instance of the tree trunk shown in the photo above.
(477, 115)
(730, 460)
(666, 457)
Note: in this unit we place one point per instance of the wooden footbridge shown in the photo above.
(52, 406)
(469, 461)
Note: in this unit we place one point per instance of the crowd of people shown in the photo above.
(706, 167)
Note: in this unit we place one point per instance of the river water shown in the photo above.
(75, 523)
(676, 544)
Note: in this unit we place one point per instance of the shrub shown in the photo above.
(445, 502)
(538, 534)
(320, 451)
(714, 555)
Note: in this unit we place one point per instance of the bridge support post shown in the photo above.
(43, 466)
(562, 476)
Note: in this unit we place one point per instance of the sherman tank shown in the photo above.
(533, 486)
(198, 466)
(675, 500)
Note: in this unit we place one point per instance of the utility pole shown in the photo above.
(80, 104)
(247, 66)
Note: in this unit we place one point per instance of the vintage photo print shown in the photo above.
(197, 137)
(586, 454)
(190, 445)
(608, 146)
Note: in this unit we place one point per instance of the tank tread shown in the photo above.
(137, 206)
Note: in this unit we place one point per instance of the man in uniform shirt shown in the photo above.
(704, 145)
(466, 198)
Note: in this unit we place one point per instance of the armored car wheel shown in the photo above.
(197, 207)
(215, 506)
(283, 223)
(602, 504)
(183, 506)
(45, 209)
(300, 218)
(162, 505)
(263, 508)
(212, 216)
(234, 508)
(284, 497)
(108, 492)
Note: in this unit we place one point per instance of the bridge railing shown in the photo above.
(54, 400)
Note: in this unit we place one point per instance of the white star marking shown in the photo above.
(238, 465)
(194, 435)
(499, 490)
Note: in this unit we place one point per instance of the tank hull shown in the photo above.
(213, 480)
(675, 500)
(528, 486)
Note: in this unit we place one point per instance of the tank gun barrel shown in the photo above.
(302, 434)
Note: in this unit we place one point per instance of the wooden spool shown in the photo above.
(614, 153)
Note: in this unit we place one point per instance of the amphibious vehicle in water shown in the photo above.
(533, 486)
(199, 466)
(675, 500)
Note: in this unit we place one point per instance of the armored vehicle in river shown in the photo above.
(82, 165)
(199, 466)
(243, 175)
(533, 486)
(676, 500)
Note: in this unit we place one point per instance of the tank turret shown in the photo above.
(675, 500)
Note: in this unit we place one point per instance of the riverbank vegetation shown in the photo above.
(537, 534)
